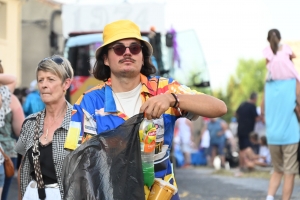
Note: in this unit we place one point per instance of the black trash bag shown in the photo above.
(108, 166)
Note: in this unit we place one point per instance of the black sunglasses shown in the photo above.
(120, 49)
(57, 60)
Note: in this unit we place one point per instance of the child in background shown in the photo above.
(262, 158)
(279, 59)
(264, 152)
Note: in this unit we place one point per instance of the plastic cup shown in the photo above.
(162, 190)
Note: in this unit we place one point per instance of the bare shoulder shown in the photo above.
(14, 103)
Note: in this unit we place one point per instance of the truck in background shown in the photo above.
(176, 54)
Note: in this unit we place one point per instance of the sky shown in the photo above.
(229, 30)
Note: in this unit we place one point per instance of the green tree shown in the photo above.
(249, 77)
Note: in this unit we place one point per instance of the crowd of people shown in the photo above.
(264, 135)
(123, 64)
(218, 140)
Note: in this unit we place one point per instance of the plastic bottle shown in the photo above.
(147, 133)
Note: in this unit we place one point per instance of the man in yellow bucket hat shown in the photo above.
(123, 64)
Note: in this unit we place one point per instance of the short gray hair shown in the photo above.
(57, 65)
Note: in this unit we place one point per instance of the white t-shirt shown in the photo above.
(228, 134)
(184, 131)
(129, 102)
(205, 140)
(264, 151)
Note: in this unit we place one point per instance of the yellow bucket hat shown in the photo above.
(121, 29)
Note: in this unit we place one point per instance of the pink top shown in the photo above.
(280, 65)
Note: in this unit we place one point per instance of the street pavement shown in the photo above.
(201, 183)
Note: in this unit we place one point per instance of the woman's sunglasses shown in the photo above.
(58, 61)
(120, 49)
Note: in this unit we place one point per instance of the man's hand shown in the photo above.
(155, 106)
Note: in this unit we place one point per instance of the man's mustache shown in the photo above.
(126, 59)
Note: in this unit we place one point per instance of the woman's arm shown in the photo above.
(9, 81)
(17, 115)
(292, 56)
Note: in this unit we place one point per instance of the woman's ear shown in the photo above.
(67, 84)
(105, 60)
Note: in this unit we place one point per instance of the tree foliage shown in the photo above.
(249, 77)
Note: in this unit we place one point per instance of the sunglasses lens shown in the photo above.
(135, 48)
(119, 49)
(58, 60)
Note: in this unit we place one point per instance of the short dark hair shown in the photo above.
(102, 71)
(263, 140)
(253, 136)
(253, 95)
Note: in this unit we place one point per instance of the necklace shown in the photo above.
(119, 102)
(46, 136)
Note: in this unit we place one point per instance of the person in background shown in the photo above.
(33, 102)
(199, 126)
(262, 158)
(2, 172)
(230, 139)
(205, 144)
(11, 119)
(246, 115)
(123, 64)
(255, 142)
(264, 152)
(184, 127)
(279, 59)
(281, 99)
(54, 76)
(216, 128)
(233, 126)
(260, 127)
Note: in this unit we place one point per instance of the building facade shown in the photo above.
(41, 35)
(10, 37)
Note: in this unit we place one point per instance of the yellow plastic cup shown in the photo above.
(162, 190)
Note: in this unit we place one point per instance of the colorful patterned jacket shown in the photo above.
(99, 103)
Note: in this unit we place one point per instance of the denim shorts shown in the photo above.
(2, 175)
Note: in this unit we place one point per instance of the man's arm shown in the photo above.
(198, 104)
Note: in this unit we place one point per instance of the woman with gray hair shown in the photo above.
(43, 134)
